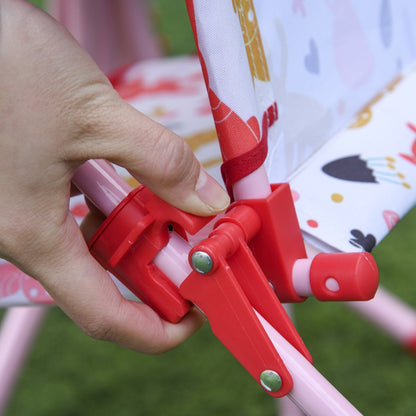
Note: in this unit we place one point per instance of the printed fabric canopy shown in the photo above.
(341, 75)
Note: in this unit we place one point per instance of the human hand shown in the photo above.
(58, 110)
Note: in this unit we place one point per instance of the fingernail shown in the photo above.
(211, 192)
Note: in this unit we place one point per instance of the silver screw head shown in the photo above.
(270, 380)
(201, 262)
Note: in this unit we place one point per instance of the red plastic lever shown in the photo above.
(231, 292)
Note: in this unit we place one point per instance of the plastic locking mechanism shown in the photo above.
(130, 238)
(253, 253)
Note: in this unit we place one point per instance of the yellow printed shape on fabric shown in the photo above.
(252, 39)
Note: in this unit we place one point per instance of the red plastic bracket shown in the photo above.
(279, 242)
(279, 245)
(130, 238)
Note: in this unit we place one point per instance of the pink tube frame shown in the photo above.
(18, 330)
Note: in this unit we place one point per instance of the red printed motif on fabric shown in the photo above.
(138, 86)
(391, 218)
(411, 157)
(235, 135)
(243, 143)
(12, 280)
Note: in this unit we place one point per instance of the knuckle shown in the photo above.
(173, 163)
(101, 323)
(90, 115)
(17, 237)
(155, 346)
(155, 349)
(100, 329)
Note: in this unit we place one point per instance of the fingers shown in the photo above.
(90, 298)
(170, 169)
(154, 155)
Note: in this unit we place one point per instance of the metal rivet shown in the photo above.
(201, 262)
(270, 380)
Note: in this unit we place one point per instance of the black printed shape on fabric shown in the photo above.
(350, 168)
(367, 242)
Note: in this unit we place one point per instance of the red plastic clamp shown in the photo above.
(130, 238)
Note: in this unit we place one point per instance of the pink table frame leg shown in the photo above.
(391, 315)
(285, 406)
(19, 328)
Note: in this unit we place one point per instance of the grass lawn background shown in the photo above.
(69, 374)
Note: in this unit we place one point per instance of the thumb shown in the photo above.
(159, 159)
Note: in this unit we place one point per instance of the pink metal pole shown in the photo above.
(19, 328)
(99, 182)
(391, 315)
(285, 407)
(253, 186)
(311, 391)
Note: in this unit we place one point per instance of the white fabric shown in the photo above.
(371, 181)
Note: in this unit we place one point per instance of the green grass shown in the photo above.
(69, 374)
